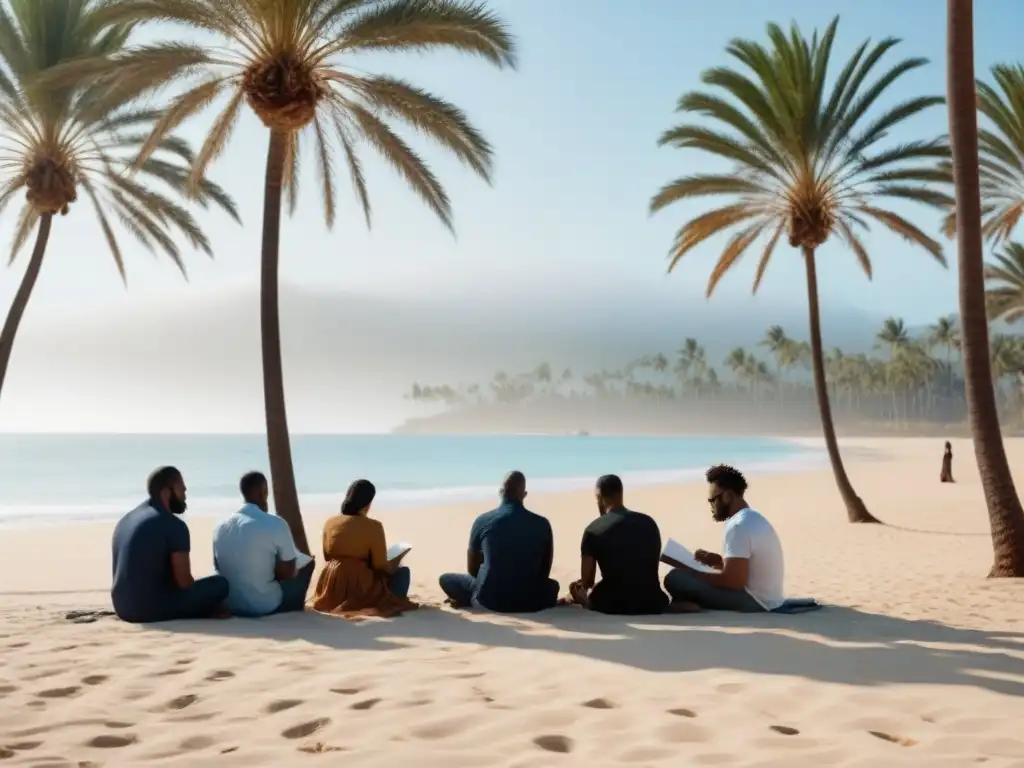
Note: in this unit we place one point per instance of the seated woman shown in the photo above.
(357, 580)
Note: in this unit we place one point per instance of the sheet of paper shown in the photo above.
(682, 555)
(398, 551)
(302, 561)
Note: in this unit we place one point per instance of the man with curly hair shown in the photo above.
(748, 576)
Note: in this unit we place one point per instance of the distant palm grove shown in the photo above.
(906, 384)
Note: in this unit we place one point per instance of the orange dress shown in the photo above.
(354, 581)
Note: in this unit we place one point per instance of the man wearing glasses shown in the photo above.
(748, 576)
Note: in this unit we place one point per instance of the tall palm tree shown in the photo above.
(1001, 153)
(1005, 287)
(57, 142)
(292, 64)
(808, 162)
(1006, 517)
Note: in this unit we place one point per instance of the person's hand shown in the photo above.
(709, 559)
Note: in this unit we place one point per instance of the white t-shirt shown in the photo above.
(246, 547)
(749, 535)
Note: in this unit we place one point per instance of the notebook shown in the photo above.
(397, 551)
(676, 551)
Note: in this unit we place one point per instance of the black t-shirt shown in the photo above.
(142, 545)
(627, 547)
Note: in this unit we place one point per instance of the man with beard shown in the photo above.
(152, 571)
(748, 575)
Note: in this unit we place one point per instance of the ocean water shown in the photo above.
(46, 479)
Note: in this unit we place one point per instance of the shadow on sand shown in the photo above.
(835, 645)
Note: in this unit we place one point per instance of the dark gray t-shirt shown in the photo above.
(143, 542)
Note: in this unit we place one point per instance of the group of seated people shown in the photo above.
(260, 571)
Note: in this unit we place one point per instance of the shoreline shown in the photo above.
(807, 457)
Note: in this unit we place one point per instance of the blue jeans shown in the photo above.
(685, 587)
(293, 591)
(200, 601)
(400, 581)
(459, 587)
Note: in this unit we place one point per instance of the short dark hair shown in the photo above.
(251, 482)
(161, 479)
(727, 478)
(514, 485)
(609, 486)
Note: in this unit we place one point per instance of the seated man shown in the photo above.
(748, 574)
(152, 570)
(627, 547)
(255, 552)
(509, 559)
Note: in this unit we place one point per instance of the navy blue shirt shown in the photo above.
(517, 546)
(143, 542)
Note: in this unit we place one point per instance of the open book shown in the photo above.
(676, 551)
(397, 551)
(301, 560)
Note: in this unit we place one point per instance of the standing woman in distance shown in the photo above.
(946, 476)
(358, 580)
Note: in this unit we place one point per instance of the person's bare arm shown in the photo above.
(733, 575)
(588, 572)
(284, 569)
(181, 569)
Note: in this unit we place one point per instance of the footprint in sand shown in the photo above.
(347, 691)
(169, 672)
(900, 740)
(785, 730)
(193, 743)
(218, 675)
(365, 704)
(554, 743)
(23, 746)
(181, 702)
(95, 679)
(600, 703)
(281, 705)
(302, 730)
(59, 693)
(682, 712)
(6, 753)
(6, 690)
(111, 741)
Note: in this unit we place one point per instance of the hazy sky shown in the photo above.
(575, 132)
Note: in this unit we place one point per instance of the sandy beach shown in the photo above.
(918, 660)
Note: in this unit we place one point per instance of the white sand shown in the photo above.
(921, 662)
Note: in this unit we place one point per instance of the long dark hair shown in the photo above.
(359, 496)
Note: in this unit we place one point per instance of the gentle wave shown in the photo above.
(32, 515)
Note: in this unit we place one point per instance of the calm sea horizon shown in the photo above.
(48, 479)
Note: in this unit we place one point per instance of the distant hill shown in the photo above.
(195, 365)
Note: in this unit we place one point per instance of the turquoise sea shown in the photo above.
(60, 478)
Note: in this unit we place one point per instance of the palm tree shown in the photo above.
(806, 162)
(55, 143)
(1001, 150)
(1006, 517)
(945, 334)
(1005, 287)
(289, 62)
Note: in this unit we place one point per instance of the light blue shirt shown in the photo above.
(246, 548)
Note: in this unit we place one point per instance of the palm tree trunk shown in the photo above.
(28, 282)
(279, 448)
(855, 509)
(1006, 517)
